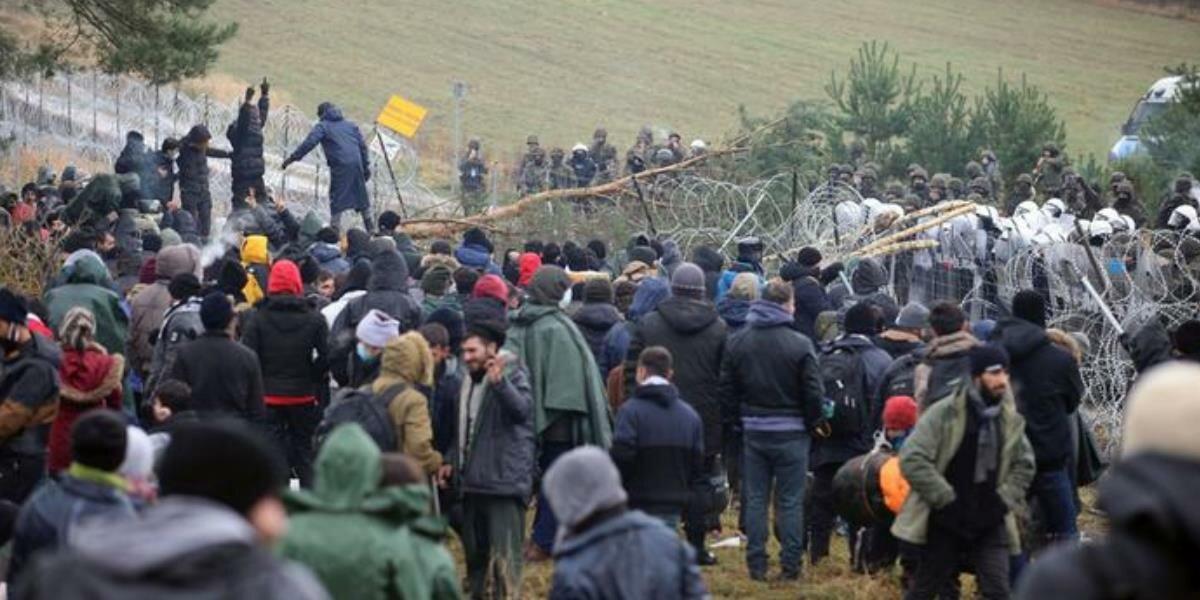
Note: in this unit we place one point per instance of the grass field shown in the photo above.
(831, 580)
(559, 69)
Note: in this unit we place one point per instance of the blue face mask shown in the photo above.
(365, 354)
(898, 441)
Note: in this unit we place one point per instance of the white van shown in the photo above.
(1156, 100)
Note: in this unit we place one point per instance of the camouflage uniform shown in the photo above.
(1127, 204)
(1022, 192)
(954, 189)
(471, 171)
(919, 187)
(531, 148)
(867, 179)
(1049, 171)
(1180, 196)
(981, 186)
(937, 188)
(641, 153)
(560, 174)
(605, 155)
(534, 174)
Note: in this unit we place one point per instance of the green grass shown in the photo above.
(558, 69)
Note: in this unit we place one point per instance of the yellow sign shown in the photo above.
(402, 116)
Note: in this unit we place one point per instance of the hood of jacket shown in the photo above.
(325, 252)
(405, 359)
(429, 261)
(687, 315)
(90, 375)
(1156, 495)
(662, 395)
(347, 470)
(1019, 337)
(331, 112)
(868, 277)
(709, 260)
(764, 314)
(255, 251)
(388, 272)
(947, 345)
(88, 270)
(473, 255)
(597, 317)
(793, 271)
(734, 310)
(650, 293)
(167, 532)
(530, 313)
(177, 260)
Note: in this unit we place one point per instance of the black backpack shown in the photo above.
(901, 378)
(846, 386)
(369, 410)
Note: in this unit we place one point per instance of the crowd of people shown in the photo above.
(312, 410)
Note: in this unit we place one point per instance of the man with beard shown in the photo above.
(968, 464)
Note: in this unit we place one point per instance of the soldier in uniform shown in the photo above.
(937, 188)
(560, 175)
(894, 194)
(991, 170)
(919, 185)
(641, 154)
(583, 166)
(531, 147)
(1022, 192)
(471, 171)
(1049, 171)
(867, 180)
(675, 145)
(846, 174)
(605, 156)
(534, 174)
(1127, 204)
(954, 189)
(1180, 195)
(980, 185)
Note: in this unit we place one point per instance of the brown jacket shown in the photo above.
(407, 360)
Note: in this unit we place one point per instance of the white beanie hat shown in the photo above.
(377, 329)
(1161, 410)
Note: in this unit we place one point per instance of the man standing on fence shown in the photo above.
(349, 164)
(246, 136)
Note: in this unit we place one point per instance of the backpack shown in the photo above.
(368, 410)
(901, 378)
(846, 389)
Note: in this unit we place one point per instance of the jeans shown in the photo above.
(941, 556)
(545, 526)
(1055, 496)
(781, 457)
(292, 427)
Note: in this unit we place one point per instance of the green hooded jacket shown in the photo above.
(931, 446)
(362, 541)
(88, 285)
(562, 373)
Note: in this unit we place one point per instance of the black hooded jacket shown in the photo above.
(193, 166)
(594, 321)
(811, 299)
(246, 136)
(657, 447)
(695, 336)
(713, 264)
(1152, 545)
(387, 291)
(1047, 385)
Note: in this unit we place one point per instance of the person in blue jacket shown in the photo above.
(349, 165)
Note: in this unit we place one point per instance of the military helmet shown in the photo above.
(579, 147)
(980, 183)
(918, 172)
(1116, 177)
(1025, 178)
(1050, 147)
(974, 169)
(664, 155)
(473, 144)
(557, 153)
(955, 183)
(531, 140)
(938, 181)
(600, 134)
(869, 173)
(1125, 187)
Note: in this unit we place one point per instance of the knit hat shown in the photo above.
(381, 245)
(436, 281)
(216, 311)
(377, 329)
(78, 328)
(491, 286)
(285, 279)
(441, 247)
(986, 357)
(170, 237)
(232, 278)
(913, 316)
(809, 257)
(489, 331)
(527, 264)
(861, 319)
(452, 320)
(327, 235)
(688, 281)
(223, 460)
(900, 412)
(139, 454)
(598, 248)
(868, 277)
(1030, 306)
(151, 242)
(12, 307)
(581, 483)
(643, 254)
(1161, 406)
(744, 287)
(388, 221)
(98, 440)
(183, 286)
(597, 291)
(476, 237)
(548, 286)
